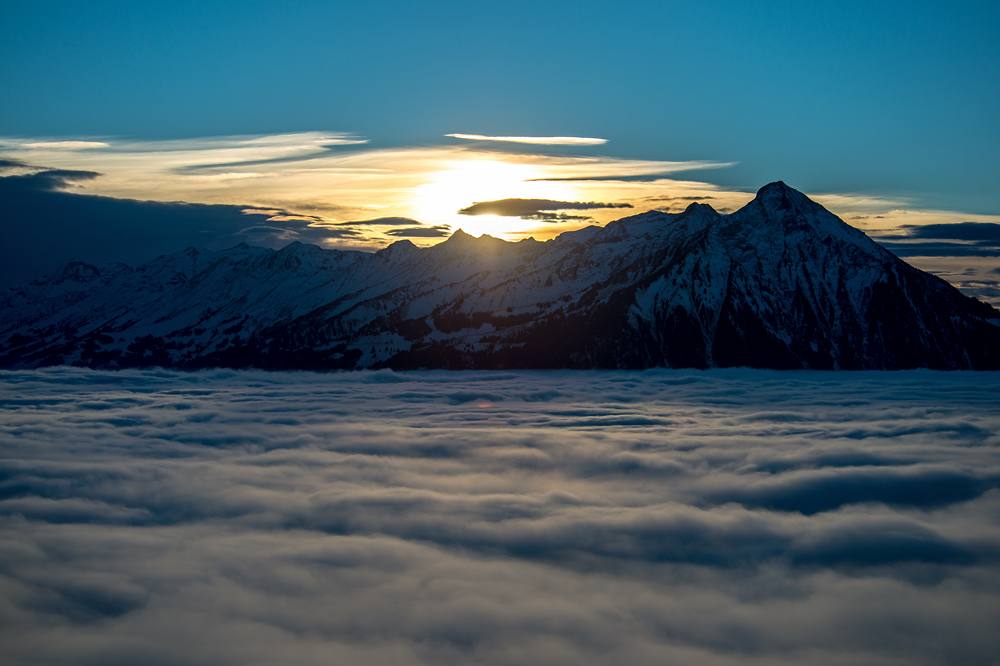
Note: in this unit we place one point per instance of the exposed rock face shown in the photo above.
(781, 283)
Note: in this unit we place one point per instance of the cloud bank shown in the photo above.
(723, 517)
(44, 225)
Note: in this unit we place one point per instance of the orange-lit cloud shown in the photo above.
(334, 184)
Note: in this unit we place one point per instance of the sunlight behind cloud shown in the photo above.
(472, 181)
(337, 182)
(334, 180)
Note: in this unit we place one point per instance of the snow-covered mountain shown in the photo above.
(781, 283)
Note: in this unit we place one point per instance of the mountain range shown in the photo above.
(781, 283)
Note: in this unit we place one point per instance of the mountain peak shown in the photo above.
(292, 248)
(777, 186)
(697, 208)
(397, 249)
(785, 205)
(75, 269)
(779, 196)
(460, 236)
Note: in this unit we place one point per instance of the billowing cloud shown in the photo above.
(529, 207)
(536, 140)
(716, 517)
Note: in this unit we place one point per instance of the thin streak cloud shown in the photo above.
(67, 145)
(536, 140)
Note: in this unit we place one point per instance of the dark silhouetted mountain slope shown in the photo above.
(780, 283)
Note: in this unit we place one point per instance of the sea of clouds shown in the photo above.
(686, 517)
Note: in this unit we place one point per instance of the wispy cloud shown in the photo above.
(338, 178)
(66, 145)
(536, 140)
(319, 181)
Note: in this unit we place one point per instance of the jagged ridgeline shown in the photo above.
(781, 283)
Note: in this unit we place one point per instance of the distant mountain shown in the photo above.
(781, 283)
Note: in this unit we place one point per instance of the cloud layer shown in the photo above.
(44, 226)
(499, 518)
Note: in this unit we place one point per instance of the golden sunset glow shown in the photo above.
(334, 182)
(463, 183)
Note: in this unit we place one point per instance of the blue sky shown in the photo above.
(879, 110)
(897, 97)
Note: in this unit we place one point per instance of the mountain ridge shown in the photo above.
(780, 283)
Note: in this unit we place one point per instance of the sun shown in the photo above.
(463, 183)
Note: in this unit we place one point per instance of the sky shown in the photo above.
(499, 518)
(352, 125)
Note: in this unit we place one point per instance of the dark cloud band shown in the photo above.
(527, 207)
(437, 231)
(967, 231)
(962, 239)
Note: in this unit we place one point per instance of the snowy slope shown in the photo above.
(781, 283)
